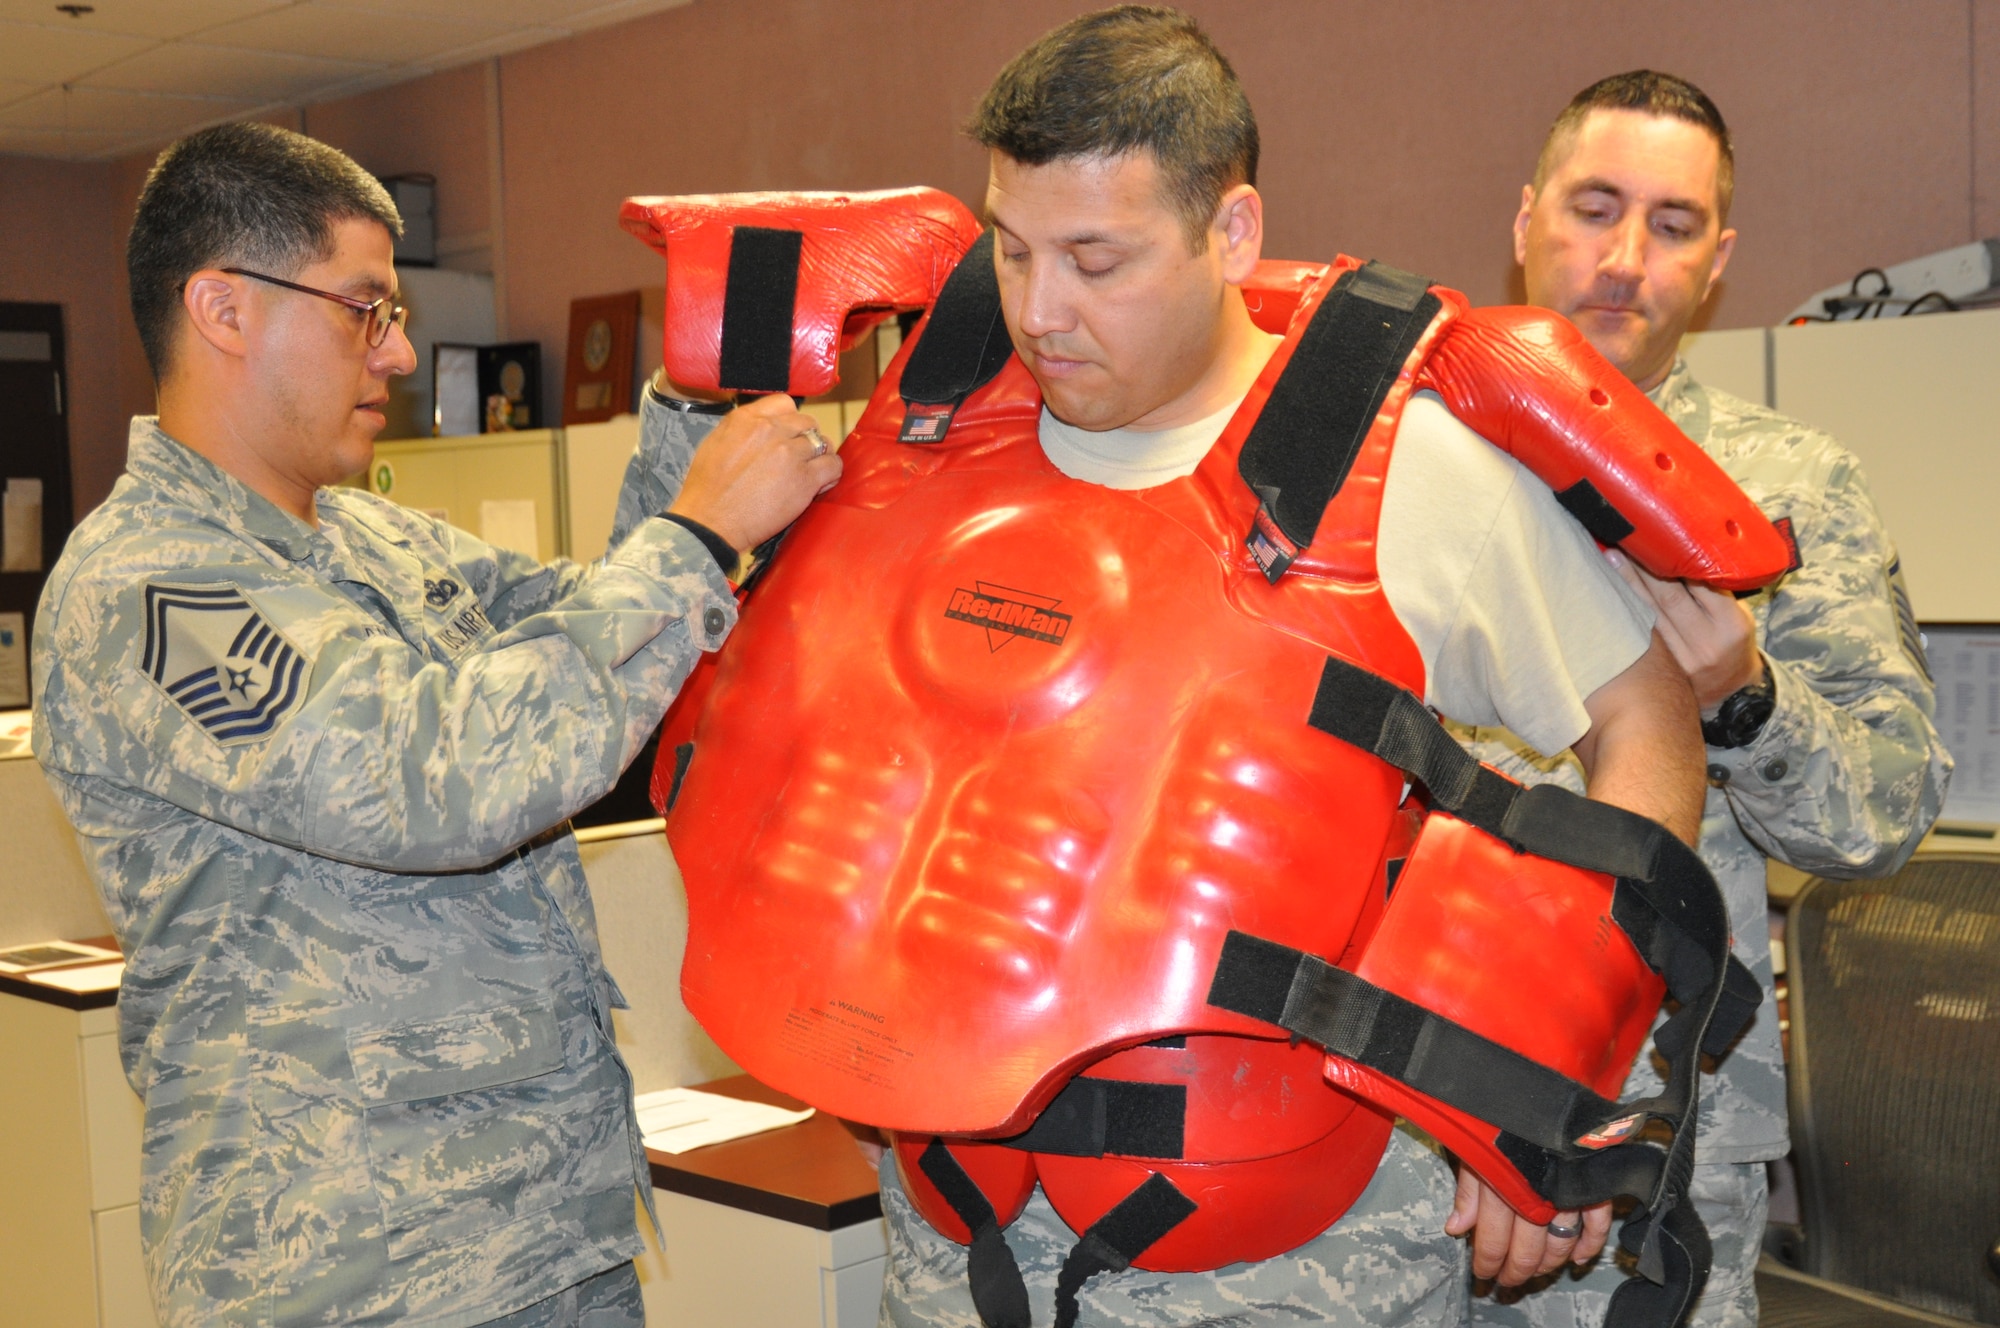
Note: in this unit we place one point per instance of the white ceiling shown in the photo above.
(133, 74)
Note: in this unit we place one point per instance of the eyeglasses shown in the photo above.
(381, 314)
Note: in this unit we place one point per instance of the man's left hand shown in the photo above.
(1508, 1247)
(1712, 635)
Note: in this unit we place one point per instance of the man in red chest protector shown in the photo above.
(1126, 222)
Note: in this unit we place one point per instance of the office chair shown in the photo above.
(1895, 1097)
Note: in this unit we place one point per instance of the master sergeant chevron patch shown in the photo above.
(220, 661)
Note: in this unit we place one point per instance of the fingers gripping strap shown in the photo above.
(1324, 403)
(757, 308)
(998, 1292)
(1120, 1236)
(1125, 1118)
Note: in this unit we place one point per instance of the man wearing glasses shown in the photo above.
(320, 749)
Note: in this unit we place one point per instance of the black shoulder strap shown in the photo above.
(963, 344)
(1321, 408)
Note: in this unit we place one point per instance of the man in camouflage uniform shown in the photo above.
(320, 750)
(1110, 269)
(1815, 693)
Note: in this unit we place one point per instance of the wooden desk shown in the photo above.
(779, 1230)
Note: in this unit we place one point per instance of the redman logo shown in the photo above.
(1006, 613)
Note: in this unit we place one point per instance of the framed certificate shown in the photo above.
(603, 356)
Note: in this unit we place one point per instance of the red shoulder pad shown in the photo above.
(738, 264)
(1528, 381)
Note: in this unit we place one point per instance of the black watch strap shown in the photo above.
(1743, 713)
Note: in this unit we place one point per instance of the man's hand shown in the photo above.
(1508, 1247)
(1712, 635)
(752, 477)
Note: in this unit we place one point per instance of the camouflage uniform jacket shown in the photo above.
(321, 779)
(1847, 774)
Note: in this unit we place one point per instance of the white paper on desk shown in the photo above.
(91, 977)
(509, 523)
(13, 659)
(21, 526)
(675, 1120)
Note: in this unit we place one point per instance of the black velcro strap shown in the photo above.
(1361, 1022)
(998, 1292)
(1594, 512)
(1741, 995)
(1368, 711)
(1121, 1117)
(683, 754)
(1324, 403)
(757, 308)
(964, 341)
(1675, 1256)
(1120, 1236)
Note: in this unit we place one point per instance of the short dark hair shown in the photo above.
(1137, 76)
(1651, 93)
(245, 194)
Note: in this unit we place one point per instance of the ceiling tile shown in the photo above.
(72, 146)
(50, 55)
(520, 39)
(189, 67)
(142, 18)
(127, 112)
(564, 14)
(371, 36)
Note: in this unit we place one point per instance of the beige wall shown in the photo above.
(1868, 131)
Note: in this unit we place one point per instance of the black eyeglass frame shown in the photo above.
(376, 331)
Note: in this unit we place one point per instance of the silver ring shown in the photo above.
(1561, 1232)
(820, 446)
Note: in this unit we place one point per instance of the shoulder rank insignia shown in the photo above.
(217, 658)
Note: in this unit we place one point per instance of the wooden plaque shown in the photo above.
(603, 352)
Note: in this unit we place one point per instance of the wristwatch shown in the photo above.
(1742, 714)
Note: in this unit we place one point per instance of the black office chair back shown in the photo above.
(1895, 1082)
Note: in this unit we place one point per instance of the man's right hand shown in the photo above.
(756, 472)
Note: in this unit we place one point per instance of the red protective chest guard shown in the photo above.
(996, 758)
(954, 832)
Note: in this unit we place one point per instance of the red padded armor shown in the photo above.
(996, 759)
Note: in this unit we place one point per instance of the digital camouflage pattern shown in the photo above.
(1844, 780)
(364, 1000)
(1386, 1264)
(608, 1300)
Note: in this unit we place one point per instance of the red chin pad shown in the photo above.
(857, 259)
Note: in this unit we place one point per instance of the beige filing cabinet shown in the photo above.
(1738, 361)
(1918, 401)
(495, 485)
(69, 1194)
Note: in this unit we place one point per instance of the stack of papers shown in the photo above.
(675, 1120)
